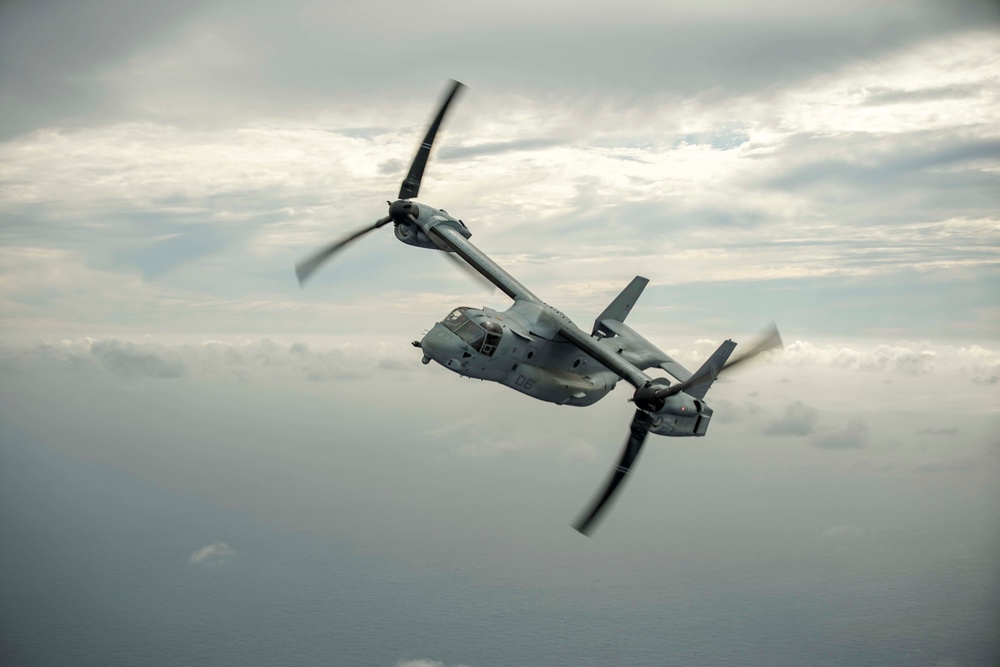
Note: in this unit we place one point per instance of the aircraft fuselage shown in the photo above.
(516, 349)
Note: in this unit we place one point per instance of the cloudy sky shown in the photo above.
(834, 168)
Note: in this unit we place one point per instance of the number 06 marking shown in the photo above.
(522, 381)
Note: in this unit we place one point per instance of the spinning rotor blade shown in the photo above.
(458, 261)
(637, 436)
(305, 268)
(471, 272)
(411, 185)
(769, 339)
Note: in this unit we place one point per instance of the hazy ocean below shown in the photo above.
(95, 570)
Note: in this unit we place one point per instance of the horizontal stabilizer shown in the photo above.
(703, 378)
(640, 351)
(674, 368)
(619, 309)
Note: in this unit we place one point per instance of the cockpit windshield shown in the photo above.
(483, 336)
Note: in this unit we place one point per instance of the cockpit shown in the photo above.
(482, 335)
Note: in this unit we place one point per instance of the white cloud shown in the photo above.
(962, 364)
(896, 358)
(240, 360)
(273, 187)
(212, 554)
(957, 63)
(983, 364)
(265, 359)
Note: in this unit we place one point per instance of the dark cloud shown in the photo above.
(852, 436)
(300, 358)
(728, 412)
(52, 56)
(85, 63)
(992, 377)
(799, 419)
(132, 360)
(872, 161)
(879, 96)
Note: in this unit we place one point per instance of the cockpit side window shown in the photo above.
(472, 334)
(483, 337)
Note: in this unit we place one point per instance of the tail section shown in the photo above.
(636, 349)
(643, 354)
(619, 309)
(703, 378)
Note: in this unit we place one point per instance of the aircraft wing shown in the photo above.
(641, 352)
(604, 354)
(479, 261)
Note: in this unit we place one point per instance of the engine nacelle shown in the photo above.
(678, 405)
(409, 233)
(681, 405)
(412, 218)
(682, 415)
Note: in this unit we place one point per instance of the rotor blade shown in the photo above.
(637, 436)
(411, 185)
(305, 268)
(767, 340)
(458, 261)
(468, 270)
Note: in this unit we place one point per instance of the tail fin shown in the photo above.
(703, 378)
(619, 309)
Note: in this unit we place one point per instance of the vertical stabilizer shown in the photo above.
(703, 378)
(619, 309)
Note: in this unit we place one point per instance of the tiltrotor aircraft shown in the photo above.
(535, 349)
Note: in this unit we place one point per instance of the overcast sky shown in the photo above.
(833, 167)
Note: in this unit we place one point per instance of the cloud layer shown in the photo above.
(148, 357)
(851, 188)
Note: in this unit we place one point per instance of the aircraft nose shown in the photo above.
(443, 346)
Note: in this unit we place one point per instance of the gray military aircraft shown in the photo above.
(535, 349)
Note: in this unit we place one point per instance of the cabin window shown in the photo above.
(491, 344)
(494, 332)
(483, 337)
